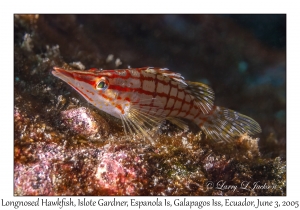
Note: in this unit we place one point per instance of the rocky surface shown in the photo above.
(65, 146)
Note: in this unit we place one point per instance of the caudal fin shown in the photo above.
(225, 124)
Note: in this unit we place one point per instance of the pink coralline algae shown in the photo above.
(85, 123)
(33, 179)
(115, 175)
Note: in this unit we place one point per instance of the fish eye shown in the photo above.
(102, 85)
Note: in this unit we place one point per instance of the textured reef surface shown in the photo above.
(65, 146)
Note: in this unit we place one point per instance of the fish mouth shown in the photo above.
(60, 72)
(69, 77)
(57, 70)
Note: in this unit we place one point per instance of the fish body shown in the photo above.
(144, 97)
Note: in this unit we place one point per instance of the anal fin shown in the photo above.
(180, 123)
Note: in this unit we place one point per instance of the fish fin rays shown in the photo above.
(166, 73)
(224, 124)
(203, 95)
(179, 122)
(140, 122)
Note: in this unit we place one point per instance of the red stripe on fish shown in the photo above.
(82, 93)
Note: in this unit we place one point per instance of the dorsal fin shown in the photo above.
(167, 73)
(93, 69)
(203, 94)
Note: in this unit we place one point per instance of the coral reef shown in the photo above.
(64, 146)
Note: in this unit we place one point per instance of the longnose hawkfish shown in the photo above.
(145, 97)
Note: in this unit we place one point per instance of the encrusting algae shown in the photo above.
(145, 97)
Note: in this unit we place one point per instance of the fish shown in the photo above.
(145, 97)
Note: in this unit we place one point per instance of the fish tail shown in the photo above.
(225, 124)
